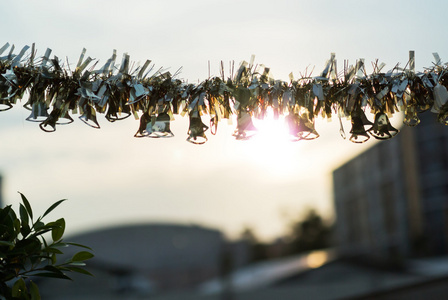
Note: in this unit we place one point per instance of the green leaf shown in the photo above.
(19, 288)
(53, 207)
(58, 231)
(52, 269)
(49, 225)
(81, 256)
(77, 263)
(79, 245)
(59, 244)
(36, 259)
(38, 225)
(53, 250)
(53, 258)
(52, 275)
(9, 224)
(44, 257)
(41, 232)
(23, 215)
(6, 243)
(79, 270)
(17, 225)
(4, 213)
(7, 232)
(7, 276)
(27, 246)
(34, 291)
(25, 230)
(27, 205)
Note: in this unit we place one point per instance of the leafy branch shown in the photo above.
(27, 252)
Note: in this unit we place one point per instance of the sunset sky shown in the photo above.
(112, 178)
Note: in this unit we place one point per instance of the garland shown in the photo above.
(54, 92)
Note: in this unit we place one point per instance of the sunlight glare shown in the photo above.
(272, 148)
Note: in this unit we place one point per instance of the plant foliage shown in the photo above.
(30, 248)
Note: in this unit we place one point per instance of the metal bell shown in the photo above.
(89, 117)
(245, 127)
(5, 104)
(301, 127)
(116, 111)
(66, 116)
(154, 127)
(359, 120)
(410, 116)
(382, 129)
(145, 126)
(55, 119)
(160, 127)
(38, 112)
(293, 121)
(196, 131)
(49, 125)
(214, 125)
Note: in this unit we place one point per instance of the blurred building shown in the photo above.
(392, 200)
(141, 260)
(1, 192)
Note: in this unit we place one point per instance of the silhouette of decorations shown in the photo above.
(54, 93)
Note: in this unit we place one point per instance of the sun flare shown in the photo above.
(272, 148)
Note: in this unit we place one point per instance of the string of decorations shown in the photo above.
(54, 92)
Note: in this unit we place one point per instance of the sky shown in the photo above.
(111, 178)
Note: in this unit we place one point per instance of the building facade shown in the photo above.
(393, 198)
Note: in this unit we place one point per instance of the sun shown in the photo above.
(272, 148)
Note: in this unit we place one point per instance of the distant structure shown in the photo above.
(143, 260)
(1, 191)
(392, 200)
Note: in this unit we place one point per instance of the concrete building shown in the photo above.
(392, 200)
